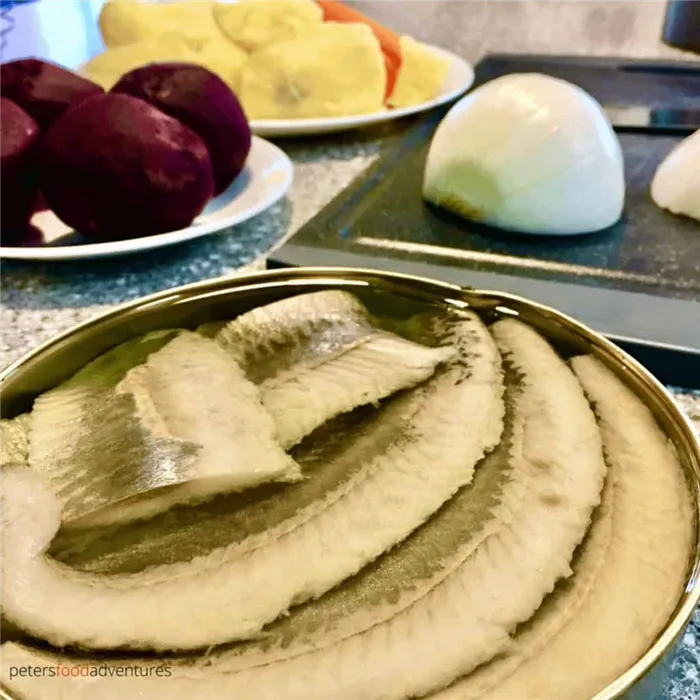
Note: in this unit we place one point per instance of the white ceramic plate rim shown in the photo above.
(459, 79)
(270, 171)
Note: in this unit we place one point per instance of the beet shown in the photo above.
(115, 167)
(40, 204)
(19, 140)
(44, 90)
(202, 101)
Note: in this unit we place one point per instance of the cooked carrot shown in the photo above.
(336, 11)
(393, 65)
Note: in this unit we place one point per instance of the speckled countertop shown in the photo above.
(40, 300)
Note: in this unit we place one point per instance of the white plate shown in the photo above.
(459, 79)
(265, 179)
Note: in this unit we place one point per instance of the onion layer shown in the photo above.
(528, 153)
(676, 184)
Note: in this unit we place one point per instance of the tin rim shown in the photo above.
(657, 398)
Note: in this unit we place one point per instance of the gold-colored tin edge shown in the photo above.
(618, 360)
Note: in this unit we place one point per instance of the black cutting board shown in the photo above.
(648, 250)
(638, 280)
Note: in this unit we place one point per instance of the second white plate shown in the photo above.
(265, 179)
(459, 79)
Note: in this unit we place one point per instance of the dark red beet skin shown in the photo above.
(40, 204)
(19, 140)
(115, 167)
(44, 90)
(202, 101)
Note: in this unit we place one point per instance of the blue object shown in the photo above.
(7, 4)
(7, 22)
(65, 32)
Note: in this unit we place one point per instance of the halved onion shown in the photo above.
(528, 153)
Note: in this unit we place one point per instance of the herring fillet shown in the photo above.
(14, 451)
(561, 473)
(399, 577)
(448, 425)
(14, 439)
(331, 459)
(643, 577)
(306, 329)
(192, 391)
(466, 618)
(556, 611)
(302, 399)
(181, 425)
(317, 355)
(67, 421)
(412, 568)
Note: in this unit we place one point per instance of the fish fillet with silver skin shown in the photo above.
(626, 581)
(318, 355)
(492, 679)
(413, 568)
(646, 566)
(450, 614)
(182, 425)
(314, 356)
(442, 429)
(70, 430)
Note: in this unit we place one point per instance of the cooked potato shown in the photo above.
(337, 72)
(253, 24)
(164, 32)
(421, 74)
(222, 57)
(107, 67)
(191, 19)
(129, 21)
(125, 22)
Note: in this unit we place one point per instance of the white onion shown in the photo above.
(676, 184)
(528, 153)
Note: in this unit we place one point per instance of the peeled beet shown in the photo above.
(44, 90)
(202, 101)
(19, 138)
(115, 167)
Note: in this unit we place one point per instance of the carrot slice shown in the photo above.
(336, 11)
(392, 62)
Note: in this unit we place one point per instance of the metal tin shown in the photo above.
(223, 298)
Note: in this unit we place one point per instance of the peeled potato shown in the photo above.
(253, 24)
(337, 72)
(125, 22)
(107, 67)
(193, 20)
(421, 74)
(223, 58)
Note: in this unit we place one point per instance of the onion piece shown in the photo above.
(528, 153)
(676, 184)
